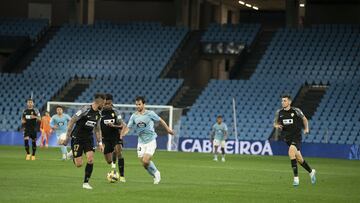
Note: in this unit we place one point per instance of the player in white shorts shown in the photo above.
(142, 121)
(219, 135)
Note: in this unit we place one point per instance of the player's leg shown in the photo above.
(33, 145)
(47, 138)
(63, 149)
(151, 168)
(216, 144)
(292, 156)
(108, 157)
(26, 145)
(88, 169)
(145, 153)
(222, 144)
(42, 138)
(89, 151)
(77, 149)
(305, 165)
(121, 162)
(64, 152)
(108, 153)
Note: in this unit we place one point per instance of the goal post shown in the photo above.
(168, 113)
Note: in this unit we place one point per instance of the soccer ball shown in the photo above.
(113, 176)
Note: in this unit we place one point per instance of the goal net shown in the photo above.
(171, 115)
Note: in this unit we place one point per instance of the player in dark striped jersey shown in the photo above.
(80, 129)
(290, 121)
(111, 124)
(29, 118)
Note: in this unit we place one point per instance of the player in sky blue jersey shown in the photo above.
(219, 134)
(59, 123)
(142, 121)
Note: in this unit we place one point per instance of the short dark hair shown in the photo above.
(47, 112)
(219, 116)
(99, 96)
(29, 99)
(140, 98)
(287, 96)
(59, 106)
(108, 97)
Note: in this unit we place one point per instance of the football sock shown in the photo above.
(151, 169)
(88, 171)
(223, 151)
(26, 144)
(33, 147)
(306, 166)
(294, 167)
(121, 165)
(63, 150)
(113, 157)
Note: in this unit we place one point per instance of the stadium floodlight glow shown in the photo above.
(302, 5)
(256, 8)
(241, 2)
(248, 5)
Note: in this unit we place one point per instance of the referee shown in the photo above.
(290, 121)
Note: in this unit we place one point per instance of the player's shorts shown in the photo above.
(79, 147)
(110, 145)
(31, 134)
(217, 143)
(148, 148)
(296, 141)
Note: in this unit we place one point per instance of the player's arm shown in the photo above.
(126, 128)
(42, 124)
(23, 120)
(123, 130)
(72, 122)
(304, 119)
(97, 131)
(37, 116)
(155, 117)
(163, 123)
(225, 133)
(119, 121)
(69, 129)
(52, 124)
(212, 133)
(276, 124)
(306, 125)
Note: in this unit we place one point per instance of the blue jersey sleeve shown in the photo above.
(225, 127)
(68, 118)
(131, 121)
(213, 129)
(52, 122)
(154, 116)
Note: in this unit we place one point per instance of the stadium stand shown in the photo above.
(117, 56)
(241, 33)
(33, 28)
(16, 88)
(322, 54)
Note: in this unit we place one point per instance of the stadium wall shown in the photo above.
(340, 151)
(267, 148)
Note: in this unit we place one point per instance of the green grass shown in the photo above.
(186, 177)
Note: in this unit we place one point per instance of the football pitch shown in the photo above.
(186, 177)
